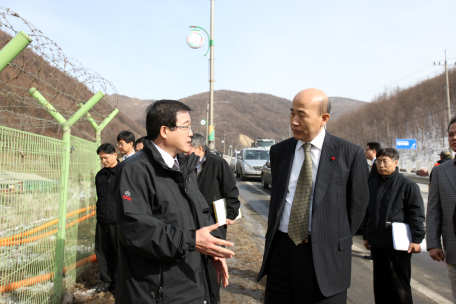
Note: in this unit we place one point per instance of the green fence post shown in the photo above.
(65, 170)
(13, 48)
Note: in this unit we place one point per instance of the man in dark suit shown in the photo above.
(371, 154)
(318, 200)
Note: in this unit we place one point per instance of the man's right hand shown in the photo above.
(366, 244)
(209, 245)
(437, 254)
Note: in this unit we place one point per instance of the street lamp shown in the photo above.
(224, 140)
(196, 40)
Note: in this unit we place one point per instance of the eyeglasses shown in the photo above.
(187, 129)
(379, 162)
(122, 144)
(106, 157)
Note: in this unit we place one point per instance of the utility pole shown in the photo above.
(447, 86)
(207, 125)
(211, 135)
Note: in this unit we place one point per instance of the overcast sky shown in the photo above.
(352, 49)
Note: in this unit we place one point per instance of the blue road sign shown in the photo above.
(405, 144)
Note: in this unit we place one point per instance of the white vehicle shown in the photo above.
(263, 143)
(233, 160)
(250, 162)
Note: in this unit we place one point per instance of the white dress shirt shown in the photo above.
(169, 160)
(127, 156)
(315, 153)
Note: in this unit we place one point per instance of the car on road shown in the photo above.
(250, 162)
(266, 175)
(233, 160)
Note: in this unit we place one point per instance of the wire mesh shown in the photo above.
(63, 81)
(29, 200)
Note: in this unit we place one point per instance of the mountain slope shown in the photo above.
(250, 114)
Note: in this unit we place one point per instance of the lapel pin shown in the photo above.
(333, 158)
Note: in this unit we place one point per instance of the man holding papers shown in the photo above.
(394, 198)
(215, 181)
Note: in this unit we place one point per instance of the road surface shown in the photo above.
(429, 278)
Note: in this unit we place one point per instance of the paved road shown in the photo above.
(429, 278)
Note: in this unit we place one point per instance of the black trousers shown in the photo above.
(215, 287)
(291, 277)
(392, 275)
(106, 251)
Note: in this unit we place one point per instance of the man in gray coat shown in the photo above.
(441, 203)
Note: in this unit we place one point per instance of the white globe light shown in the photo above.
(195, 39)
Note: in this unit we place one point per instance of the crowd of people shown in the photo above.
(158, 239)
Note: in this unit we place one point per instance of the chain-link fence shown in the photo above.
(30, 184)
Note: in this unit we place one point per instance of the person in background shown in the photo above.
(105, 231)
(371, 154)
(440, 208)
(393, 198)
(163, 222)
(126, 144)
(444, 157)
(139, 144)
(215, 181)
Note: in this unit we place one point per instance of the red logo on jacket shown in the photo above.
(127, 198)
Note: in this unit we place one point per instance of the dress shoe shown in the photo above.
(103, 287)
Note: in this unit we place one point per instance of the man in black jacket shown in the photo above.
(163, 221)
(215, 181)
(105, 234)
(371, 154)
(393, 198)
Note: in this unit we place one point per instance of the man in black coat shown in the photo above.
(371, 154)
(215, 181)
(105, 233)
(163, 222)
(393, 198)
(318, 200)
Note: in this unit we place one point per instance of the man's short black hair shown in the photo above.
(163, 113)
(140, 140)
(452, 121)
(106, 148)
(389, 152)
(374, 146)
(128, 136)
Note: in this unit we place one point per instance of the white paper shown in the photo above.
(220, 211)
(402, 237)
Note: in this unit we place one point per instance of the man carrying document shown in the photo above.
(394, 198)
(216, 181)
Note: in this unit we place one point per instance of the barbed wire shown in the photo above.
(63, 81)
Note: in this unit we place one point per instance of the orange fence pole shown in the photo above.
(5, 241)
(45, 277)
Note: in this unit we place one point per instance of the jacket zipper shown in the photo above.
(160, 284)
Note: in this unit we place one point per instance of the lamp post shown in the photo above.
(196, 40)
(224, 140)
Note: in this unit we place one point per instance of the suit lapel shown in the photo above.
(325, 169)
(451, 173)
(284, 176)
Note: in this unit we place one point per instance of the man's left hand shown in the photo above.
(230, 222)
(222, 270)
(414, 248)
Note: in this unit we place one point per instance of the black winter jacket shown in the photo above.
(158, 211)
(216, 180)
(106, 203)
(395, 199)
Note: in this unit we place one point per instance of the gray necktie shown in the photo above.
(298, 226)
(176, 165)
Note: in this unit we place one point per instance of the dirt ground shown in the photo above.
(243, 270)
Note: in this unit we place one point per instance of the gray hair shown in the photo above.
(198, 139)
